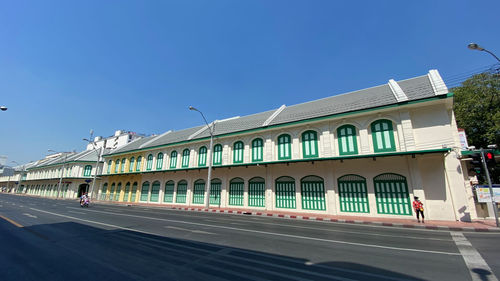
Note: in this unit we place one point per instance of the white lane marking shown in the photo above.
(30, 215)
(270, 233)
(475, 263)
(75, 212)
(189, 230)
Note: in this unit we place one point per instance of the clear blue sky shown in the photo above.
(70, 66)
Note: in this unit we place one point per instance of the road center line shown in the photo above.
(260, 232)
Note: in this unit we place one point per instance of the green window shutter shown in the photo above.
(199, 192)
(383, 136)
(238, 152)
(159, 161)
(103, 191)
(181, 192)
(144, 192)
(168, 195)
(122, 167)
(138, 166)
(155, 192)
(126, 193)
(215, 189)
(284, 147)
(131, 165)
(117, 165)
(134, 192)
(173, 159)
(202, 157)
(257, 192)
(257, 150)
(149, 162)
(118, 191)
(391, 193)
(236, 192)
(309, 144)
(346, 136)
(217, 154)
(312, 190)
(285, 193)
(185, 158)
(87, 171)
(353, 195)
(109, 166)
(112, 192)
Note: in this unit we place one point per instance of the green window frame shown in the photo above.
(238, 149)
(126, 192)
(383, 136)
(257, 192)
(309, 144)
(138, 165)
(391, 193)
(117, 165)
(87, 171)
(185, 158)
(122, 166)
(236, 192)
(133, 193)
(110, 162)
(104, 190)
(215, 190)
(112, 192)
(118, 191)
(199, 192)
(173, 159)
(131, 164)
(159, 161)
(217, 155)
(144, 192)
(353, 195)
(312, 191)
(257, 150)
(347, 139)
(284, 147)
(285, 193)
(202, 156)
(168, 194)
(149, 162)
(155, 192)
(181, 195)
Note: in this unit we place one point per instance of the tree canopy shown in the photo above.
(477, 109)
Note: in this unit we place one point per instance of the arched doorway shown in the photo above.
(82, 188)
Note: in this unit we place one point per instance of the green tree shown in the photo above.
(477, 109)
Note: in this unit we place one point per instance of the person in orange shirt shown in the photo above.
(418, 206)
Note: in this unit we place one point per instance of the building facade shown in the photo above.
(366, 152)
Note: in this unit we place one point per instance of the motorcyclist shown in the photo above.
(84, 199)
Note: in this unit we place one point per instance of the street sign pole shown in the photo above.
(492, 196)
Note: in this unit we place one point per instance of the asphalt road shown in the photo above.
(46, 239)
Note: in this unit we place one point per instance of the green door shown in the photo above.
(199, 192)
(215, 189)
(168, 195)
(112, 192)
(134, 192)
(391, 192)
(236, 192)
(353, 196)
(181, 192)
(144, 192)
(155, 192)
(257, 192)
(285, 193)
(127, 191)
(312, 190)
(118, 191)
(103, 191)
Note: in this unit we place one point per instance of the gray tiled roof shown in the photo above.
(135, 144)
(174, 136)
(417, 88)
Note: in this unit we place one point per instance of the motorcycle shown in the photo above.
(84, 203)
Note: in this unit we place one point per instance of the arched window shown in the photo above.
(126, 192)
(285, 193)
(185, 158)
(312, 190)
(134, 192)
(215, 188)
(103, 191)
(144, 191)
(383, 136)
(87, 171)
(173, 159)
(236, 192)
(117, 165)
(112, 192)
(122, 167)
(238, 152)
(139, 164)
(109, 166)
(118, 191)
(257, 192)
(353, 195)
(149, 162)
(168, 195)
(202, 156)
(181, 192)
(217, 154)
(346, 136)
(155, 191)
(309, 144)
(199, 192)
(284, 147)
(391, 193)
(131, 164)
(257, 150)
(159, 161)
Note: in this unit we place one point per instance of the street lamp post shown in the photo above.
(474, 46)
(211, 131)
(62, 171)
(96, 165)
